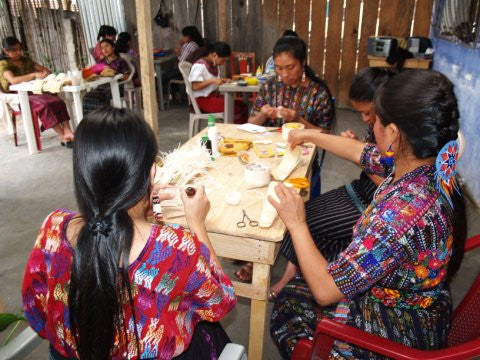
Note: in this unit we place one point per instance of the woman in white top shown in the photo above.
(205, 80)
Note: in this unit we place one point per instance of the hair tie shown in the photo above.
(100, 226)
(446, 167)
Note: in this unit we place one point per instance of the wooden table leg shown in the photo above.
(228, 107)
(258, 312)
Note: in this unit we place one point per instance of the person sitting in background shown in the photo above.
(105, 32)
(392, 280)
(190, 41)
(101, 95)
(126, 42)
(112, 60)
(123, 49)
(104, 283)
(270, 64)
(296, 94)
(205, 79)
(332, 215)
(49, 109)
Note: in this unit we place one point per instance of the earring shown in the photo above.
(304, 77)
(389, 158)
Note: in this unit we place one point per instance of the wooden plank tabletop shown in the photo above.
(228, 175)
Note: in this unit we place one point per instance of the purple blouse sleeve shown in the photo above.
(370, 161)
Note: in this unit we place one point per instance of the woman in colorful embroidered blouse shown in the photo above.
(105, 283)
(50, 109)
(392, 280)
(205, 80)
(297, 95)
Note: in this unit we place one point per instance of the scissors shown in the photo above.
(242, 223)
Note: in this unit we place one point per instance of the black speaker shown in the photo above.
(418, 45)
(382, 46)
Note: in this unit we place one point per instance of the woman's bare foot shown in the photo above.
(245, 272)
(290, 271)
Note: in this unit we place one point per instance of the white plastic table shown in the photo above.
(25, 87)
(228, 89)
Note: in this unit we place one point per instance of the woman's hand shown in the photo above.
(196, 208)
(155, 193)
(296, 137)
(217, 81)
(291, 208)
(40, 74)
(288, 115)
(349, 134)
(268, 111)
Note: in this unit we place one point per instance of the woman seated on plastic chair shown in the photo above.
(205, 79)
(392, 279)
(101, 96)
(49, 109)
(106, 283)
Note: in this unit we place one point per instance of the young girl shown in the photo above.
(104, 283)
(105, 32)
(49, 109)
(205, 80)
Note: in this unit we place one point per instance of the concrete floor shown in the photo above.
(32, 186)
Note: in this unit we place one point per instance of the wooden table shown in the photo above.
(228, 89)
(158, 71)
(25, 87)
(254, 244)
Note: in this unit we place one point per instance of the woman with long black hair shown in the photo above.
(106, 283)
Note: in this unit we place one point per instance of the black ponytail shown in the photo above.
(423, 105)
(113, 153)
(366, 82)
(298, 49)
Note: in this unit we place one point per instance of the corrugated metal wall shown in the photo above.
(95, 13)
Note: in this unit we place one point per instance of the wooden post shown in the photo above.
(144, 21)
(222, 20)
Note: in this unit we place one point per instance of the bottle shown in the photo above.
(259, 71)
(213, 136)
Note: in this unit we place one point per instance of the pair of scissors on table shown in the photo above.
(242, 223)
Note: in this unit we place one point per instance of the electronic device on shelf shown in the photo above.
(382, 46)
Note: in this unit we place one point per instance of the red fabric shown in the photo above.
(50, 109)
(175, 284)
(215, 103)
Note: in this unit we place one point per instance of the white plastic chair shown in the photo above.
(134, 94)
(21, 345)
(197, 115)
(25, 342)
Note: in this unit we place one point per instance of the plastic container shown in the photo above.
(213, 136)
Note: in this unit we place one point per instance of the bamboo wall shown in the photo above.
(335, 30)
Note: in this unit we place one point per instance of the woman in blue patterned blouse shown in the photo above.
(392, 280)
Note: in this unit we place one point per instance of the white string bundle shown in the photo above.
(183, 164)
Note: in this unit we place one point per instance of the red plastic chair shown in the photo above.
(242, 62)
(36, 128)
(463, 339)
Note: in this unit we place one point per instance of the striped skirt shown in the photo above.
(331, 217)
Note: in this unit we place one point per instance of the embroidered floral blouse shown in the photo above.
(398, 258)
(309, 99)
(175, 284)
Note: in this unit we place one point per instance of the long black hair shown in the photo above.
(366, 82)
(106, 30)
(8, 43)
(113, 153)
(222, 49)
(422, 104)
(296, 47)
(194, 34)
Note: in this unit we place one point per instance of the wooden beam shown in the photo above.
(222, 20)
(144, 20)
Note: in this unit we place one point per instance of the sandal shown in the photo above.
(244, 274)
